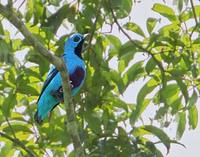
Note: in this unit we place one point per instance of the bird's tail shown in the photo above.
(38, 118)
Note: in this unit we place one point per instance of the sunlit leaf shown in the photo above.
(138, 111)
(160, 134)
(150, 66)
(134, 28)
(181, 124)
(9, 103)
(183, 88)
(165, 11)
(114, 40)
(151, 23)
(134, 72)
(142, 103)
(7, 150)
(192, 100)
(193, 117)
(27, 89)
(121, 7)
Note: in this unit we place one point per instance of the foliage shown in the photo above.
(108, 126)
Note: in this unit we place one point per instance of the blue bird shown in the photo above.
(52, 93)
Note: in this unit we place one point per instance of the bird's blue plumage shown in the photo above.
(51, 94)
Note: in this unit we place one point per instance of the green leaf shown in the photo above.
(7, 150)
(121, 66)
(29, 10)
(1, 29)
(17, 128)
(181, 124)
(114, 76)
(165, 11)
(149, 67)
(114, 40)
(117, 102)
(134, 28)
(193, 117)
(54, 2)
(93, 122)
(183, 88)
(126, 48)
(161, 112)
(142, 103)
(169, 91)
(9, 103)
(160, 134)
(55, 20)
(192, 100)
(26, 89)
(38, 11)
(138, 111)
(197, 10)
(5, 52)
(146, 89)
(180, 5)
(34, 57)
(122, 8)
(176, 105)
(127, 51)
(151, 23)
(134, 72)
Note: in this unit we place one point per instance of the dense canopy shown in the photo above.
(107, 125)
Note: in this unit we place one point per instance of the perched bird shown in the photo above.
(52, 93)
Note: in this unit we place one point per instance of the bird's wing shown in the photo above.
(77, 77)
(51, 74)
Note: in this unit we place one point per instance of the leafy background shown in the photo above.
(163, 58)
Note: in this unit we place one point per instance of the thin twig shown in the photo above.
(139, 46)
(94, 27)
(19, 143)
(194, 13)
(8, 122)
(21, 4)
(95, 24)
(195, 18)
(132, 41)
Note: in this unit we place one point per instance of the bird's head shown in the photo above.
(75, 43)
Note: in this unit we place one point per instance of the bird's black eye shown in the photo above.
(76, 39)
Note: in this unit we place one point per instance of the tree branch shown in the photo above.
(193, 10)
(18, 143)
(11, 16)
(139, 46)
(60, 65)
(94, 25)
(132, 41)
(195, 18)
